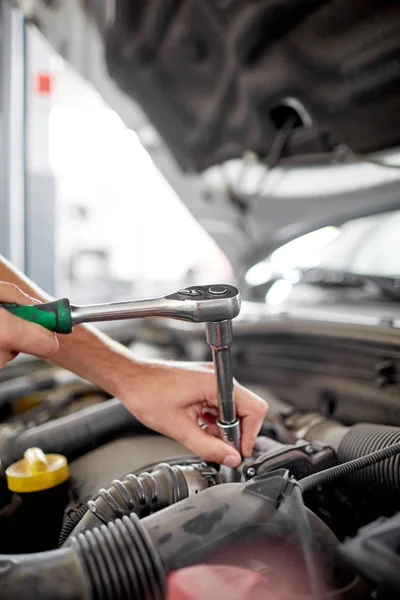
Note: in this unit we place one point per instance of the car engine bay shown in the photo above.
(96, 506)
(319, 495)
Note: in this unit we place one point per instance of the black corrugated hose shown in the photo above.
(143, 494)
(329, 475)
(382, 479)
(114, 562)
(121, 561)
(71, 520)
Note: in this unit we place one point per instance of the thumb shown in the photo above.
(208, 447)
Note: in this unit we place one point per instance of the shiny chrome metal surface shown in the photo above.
(219, 337)
(230, 433)
(183, 305)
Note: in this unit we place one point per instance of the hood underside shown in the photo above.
(219, 77)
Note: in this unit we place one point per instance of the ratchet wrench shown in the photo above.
(215, 305)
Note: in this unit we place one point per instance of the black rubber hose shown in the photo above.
(54, 575)
(135, 494)
(18, 386)
(121, 561)
(347, 468)
(142, 494)
(114, 562)
(382, 479)
(75, 434)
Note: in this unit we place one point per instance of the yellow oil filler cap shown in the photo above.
(37, 472)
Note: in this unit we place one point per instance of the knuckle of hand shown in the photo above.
(263, 409)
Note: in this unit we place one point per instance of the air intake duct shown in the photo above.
(377, 487)
(128, 558)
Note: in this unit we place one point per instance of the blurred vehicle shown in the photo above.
(359, 254)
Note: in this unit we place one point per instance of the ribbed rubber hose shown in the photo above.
(75, 434)
(347, 468)
(117, 561)
(121, 561)
(382, 478)
(143, 494)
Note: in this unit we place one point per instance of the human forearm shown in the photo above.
(87, 352)
(169, 398)
(11, 275)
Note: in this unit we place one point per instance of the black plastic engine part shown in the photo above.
(73, 516)
(70, 397)
(73, 435)
(375, 553)
(299, 459)
(376, 488)
(369, 460)
(129, 558)
(314, 427)
(96, 469)
(71, 520)
(238, 525)
(144, 494)
(35, 524)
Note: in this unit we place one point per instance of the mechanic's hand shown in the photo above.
(172, 398)
(17, 335)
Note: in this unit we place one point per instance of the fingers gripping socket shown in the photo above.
(230, 433)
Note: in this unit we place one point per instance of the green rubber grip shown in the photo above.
(55, 316)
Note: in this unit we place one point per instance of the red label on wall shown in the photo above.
(43, 84)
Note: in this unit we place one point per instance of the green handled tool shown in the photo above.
(56, 316)
(215, 305)
(200, 304)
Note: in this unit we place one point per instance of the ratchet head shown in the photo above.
(207, 303)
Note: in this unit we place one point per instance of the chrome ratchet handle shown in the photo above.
(199, 304)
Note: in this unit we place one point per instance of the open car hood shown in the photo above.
(213, 79)
(219, 77)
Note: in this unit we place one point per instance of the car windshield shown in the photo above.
(364, 246)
